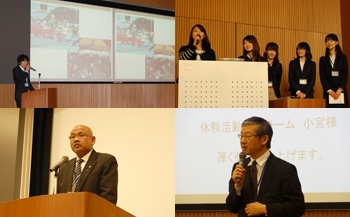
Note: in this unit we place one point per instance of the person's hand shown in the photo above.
(333, 94)
(301, 95)
(255, 209)
(238, 176)
(197, 40)
(337, 94)
(27, 68)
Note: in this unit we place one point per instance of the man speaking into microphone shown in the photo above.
(21, 77)
(90, 171)
(262, 184)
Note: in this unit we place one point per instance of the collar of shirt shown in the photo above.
(22, 68)
(85, 158)
(261, 160)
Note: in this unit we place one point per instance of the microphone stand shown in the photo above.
(39, 89)
(55, 183)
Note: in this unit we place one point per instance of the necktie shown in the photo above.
(254, 180)
(76, 174)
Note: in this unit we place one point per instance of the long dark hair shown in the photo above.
(333, 37)
(306, 47)
(205, 41)
(256, 47)
(272, 46)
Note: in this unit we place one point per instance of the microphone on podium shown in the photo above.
(63, 160)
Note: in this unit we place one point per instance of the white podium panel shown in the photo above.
(216, 84)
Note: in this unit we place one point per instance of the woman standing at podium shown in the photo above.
(302, 73)
(274, 67)
(251, 49)
(198, 47)
(334, 73)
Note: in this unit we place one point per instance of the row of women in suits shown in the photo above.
(302, 70)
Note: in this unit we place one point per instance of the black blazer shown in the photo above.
(20, 78)
(246, 58)
(189, 53)
(334, 82)
(100, 176)
(308, 73)
(275, 75)
(280, 190)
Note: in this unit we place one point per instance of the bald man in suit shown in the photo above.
(99, 171)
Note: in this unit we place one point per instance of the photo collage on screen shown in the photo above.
(70, 42)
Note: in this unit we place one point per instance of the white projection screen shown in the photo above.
(316, 141)
(142, 140)
(71, 42)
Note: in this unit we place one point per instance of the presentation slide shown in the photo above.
(316, 141)
(73, 42)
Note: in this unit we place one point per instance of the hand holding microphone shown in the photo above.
(197, 40)
(238, 174)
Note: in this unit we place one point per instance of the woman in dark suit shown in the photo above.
(251, 49)
(302, 73)
(274, 67)
(334, 73)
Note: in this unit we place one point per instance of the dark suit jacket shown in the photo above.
(275, 75)
(334, 82)
(20, 78)
(280, 190)
(189, 53)
(309, 73)
(100, 176)
(246, 58)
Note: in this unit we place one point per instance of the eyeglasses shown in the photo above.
(248, 137)
(80, 135)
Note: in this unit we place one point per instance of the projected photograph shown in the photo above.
(161, 65)
(134, 34)
(54, 27)
(87, 64)
(72, 42)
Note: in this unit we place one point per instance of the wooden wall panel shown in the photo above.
(102, 95)
(326, 17)
(311, 15)
(228, 214)
(163, 4)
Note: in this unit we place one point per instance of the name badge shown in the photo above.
(335, 73)
(303, 81)
(270, 83)
(26, 84)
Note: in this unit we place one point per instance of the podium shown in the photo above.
(297, 103)
(222, 84)
(79, 204)
(41, 98)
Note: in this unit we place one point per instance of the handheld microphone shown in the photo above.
(33, 69)
(242, 157)
(59, 163)
(197, 40)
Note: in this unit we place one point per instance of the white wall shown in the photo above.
(9, 121)
(142, 140)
